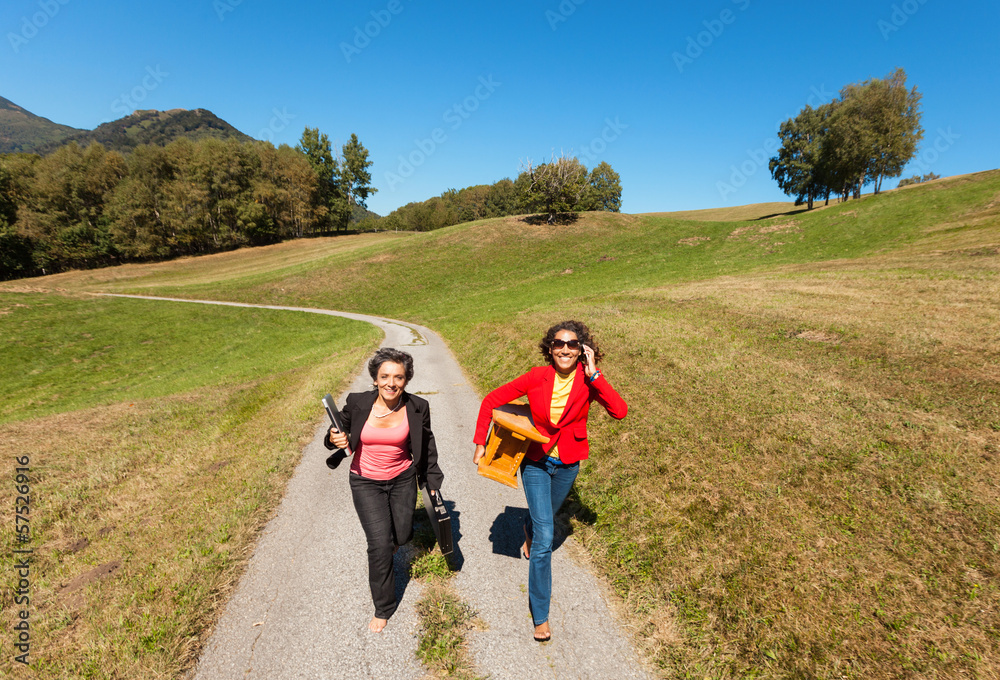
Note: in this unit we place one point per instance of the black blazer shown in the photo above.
(418, 413)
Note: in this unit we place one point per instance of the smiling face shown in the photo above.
(390, 382)
(564, 357)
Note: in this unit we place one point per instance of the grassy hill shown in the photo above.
(806, 483)
(21, 130)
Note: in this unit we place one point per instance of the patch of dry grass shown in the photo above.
(753, 211)
(208, 269)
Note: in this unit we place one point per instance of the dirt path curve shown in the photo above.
(301, 609)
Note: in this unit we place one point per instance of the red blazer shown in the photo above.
(570, 433)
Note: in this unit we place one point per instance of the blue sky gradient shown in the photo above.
(684, 102)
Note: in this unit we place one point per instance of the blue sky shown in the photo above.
(684, 102)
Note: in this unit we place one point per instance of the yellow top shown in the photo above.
(560, 395)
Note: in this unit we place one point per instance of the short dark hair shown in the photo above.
(396, 356)
(582, 334)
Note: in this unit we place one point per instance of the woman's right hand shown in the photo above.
(338, 438)
(478, 455)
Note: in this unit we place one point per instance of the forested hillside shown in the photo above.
(21, 130)
(158, 128)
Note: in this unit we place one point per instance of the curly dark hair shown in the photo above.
(396, 356)
(582, 334)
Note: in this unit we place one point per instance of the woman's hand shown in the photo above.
(478, 455)
(587, 356)
(338, 438)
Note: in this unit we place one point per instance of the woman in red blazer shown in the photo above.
(559, 396)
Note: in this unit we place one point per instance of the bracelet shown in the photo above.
(597, 374)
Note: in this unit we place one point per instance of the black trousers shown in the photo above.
(385, 509)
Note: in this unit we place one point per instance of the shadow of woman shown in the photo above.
(507, 531)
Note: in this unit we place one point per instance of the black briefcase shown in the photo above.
(440, 520)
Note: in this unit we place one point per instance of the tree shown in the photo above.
(287, 188)
(917, 179)
(15, 250)
(135, 207)
(63, 212)
(556, 186)
(890, 128)
(502, 199)
(869, 133)
(797, 168)
(355, 179)
(329, 192)
(604, 190)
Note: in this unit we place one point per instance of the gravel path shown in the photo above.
(302, 608)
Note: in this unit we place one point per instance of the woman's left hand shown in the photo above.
(587, 356)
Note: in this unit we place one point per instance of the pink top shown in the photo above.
(384, 452)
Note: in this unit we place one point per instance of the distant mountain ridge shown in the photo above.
(21, 130)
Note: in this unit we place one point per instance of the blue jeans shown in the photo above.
(546, 484)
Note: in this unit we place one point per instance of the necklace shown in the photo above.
(390, 411)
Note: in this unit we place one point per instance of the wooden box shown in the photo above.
(511, 434)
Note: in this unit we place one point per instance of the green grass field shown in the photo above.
(159, 437)
(806, 483)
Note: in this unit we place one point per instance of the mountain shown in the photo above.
(157, 128)
(21, 130)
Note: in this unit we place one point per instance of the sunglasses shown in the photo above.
(559, 344)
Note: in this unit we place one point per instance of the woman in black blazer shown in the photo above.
(389, 431)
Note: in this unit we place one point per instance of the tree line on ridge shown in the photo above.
(84, 207)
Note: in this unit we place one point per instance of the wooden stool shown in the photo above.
(511, 434)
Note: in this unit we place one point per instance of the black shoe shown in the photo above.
(334, 460)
